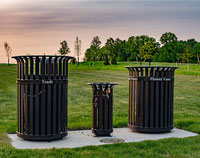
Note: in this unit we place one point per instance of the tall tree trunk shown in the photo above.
(198, 58)
(137, 59)
(187, 66)
(8, 61)
(78, 61)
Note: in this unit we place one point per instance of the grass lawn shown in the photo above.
(186, 112)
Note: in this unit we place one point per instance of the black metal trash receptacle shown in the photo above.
(102, 109)
(42, 83)
(151, 94)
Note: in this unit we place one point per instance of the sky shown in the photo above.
(38, 26)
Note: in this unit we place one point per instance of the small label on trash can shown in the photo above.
(47, 82)
(150, 79)
(159, 79)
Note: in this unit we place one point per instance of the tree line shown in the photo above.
(139, 48)
(144, 48)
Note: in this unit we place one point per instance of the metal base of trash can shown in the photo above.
(42, 137)
(150, 130)
(100, 132)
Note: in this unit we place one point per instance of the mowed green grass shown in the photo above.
(186, 112)
(184, 68)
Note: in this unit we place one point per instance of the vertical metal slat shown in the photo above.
(146, 108)
(43, 98)
(152, 99)
(157, 96)
(31, 111)
(37, 103)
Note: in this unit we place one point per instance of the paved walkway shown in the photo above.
(82, 138)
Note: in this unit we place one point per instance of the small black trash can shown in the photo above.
(42, 83)
(102, 109)
(151, 94)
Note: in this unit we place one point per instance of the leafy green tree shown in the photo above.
(191, 43)
(120, 50)
(172, 52)
(64, 48)
(147, 51)
(96, 42)
(146, 47)
(106, 60)
(167, 53)
(140, 41)
(185, 51)
(110, 47)
(196, 51)
(178, 57)
(105, 55)
(122, 55)
(89, 55)
(131, 50)
(92, 53)
(179, 49)
(168, 37)
(101, 54)
(186, 55)
(95, 47)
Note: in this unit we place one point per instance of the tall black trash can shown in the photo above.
(42, 83)
(151, 94)
(102, 109)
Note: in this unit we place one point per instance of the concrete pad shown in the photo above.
(83, 138)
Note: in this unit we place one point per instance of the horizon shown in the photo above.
(36, 28)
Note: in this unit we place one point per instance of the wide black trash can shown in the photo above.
(42, 83)
(102, 109)
(151, 94)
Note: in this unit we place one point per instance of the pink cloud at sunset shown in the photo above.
(37, 27)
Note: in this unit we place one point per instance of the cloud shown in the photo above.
(52, 20)
(54, 15)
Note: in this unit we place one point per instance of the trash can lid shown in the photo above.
(151, 67)
(103, 83)
(157, 68)
(41, 56)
